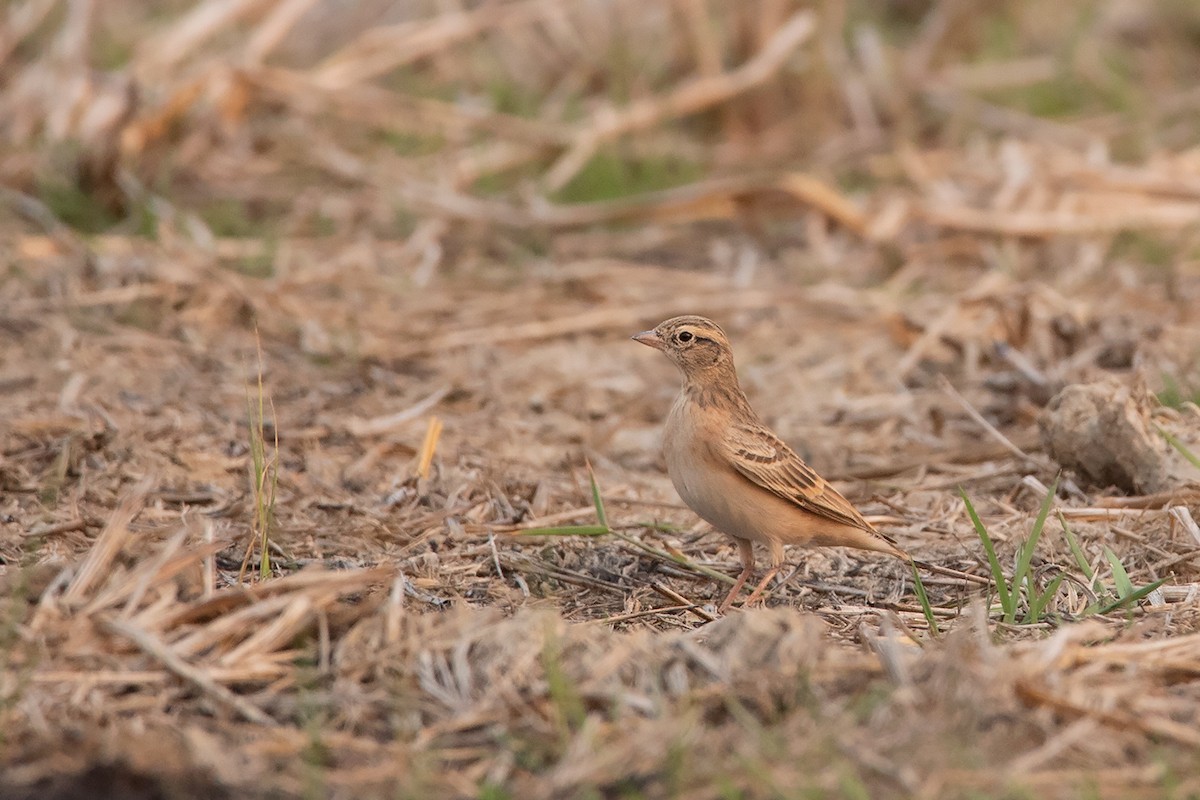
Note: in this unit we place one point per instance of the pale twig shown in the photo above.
(991, 429)
(200, 24)
(894, 657)
(695, 95)
(547, 521)
(112, 296)
(495, 555)
(77, 33)
(701, 31)
(919, 54)
(990, 76)
(210, 560)
(520, 561)
(154, 647)
(1157, 500)
(219, 607)
(19, 22)
(1006, 119)
(1036, 693)
(382, 49)
(666, 555)
(695, 608)
(275, 28)
(1042, 225)
(1158, 566)
(713, 198)
(290, 621)
(394, 611)
(1022, 363)
(250, 617)
(56, 528)
(1101, 513)
(324, 643)
(973, 453)
(142, 584)
(428, 447)
(377, 426)
(257, 673)
(818, 194)
(108, 544)
(950, 572)
(368, 104)
(648, 612)
(1184, 517)
(932, 332)
(586, 321)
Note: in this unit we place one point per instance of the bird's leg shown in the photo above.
(758, 590)
(776, 563)
(746, 552)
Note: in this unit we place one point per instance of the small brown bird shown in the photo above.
(734, 472)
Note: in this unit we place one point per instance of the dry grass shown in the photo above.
(918, 222)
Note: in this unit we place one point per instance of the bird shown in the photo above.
(734, 472)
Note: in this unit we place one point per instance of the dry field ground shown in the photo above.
(353, 284)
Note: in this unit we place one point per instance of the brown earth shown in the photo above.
(442, 368)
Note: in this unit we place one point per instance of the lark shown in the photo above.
(734, 472)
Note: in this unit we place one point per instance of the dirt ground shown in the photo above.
(429, 373)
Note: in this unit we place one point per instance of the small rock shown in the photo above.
(1103, 433)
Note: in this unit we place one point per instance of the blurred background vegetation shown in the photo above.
(268, 119)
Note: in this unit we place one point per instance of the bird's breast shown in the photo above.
(707, 485)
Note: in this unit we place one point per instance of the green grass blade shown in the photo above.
(565, 697)
(597, 500)
(1022, 576)
(1179, 446)
(1076, 550)
(1120, 576)
(923, 598)
(1131, 598)
(273, 466)
(1006, 600)
(566, 530)
(1038, 604)
(668, 556)
(659, 527)
(264, 475)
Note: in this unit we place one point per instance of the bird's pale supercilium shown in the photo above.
(734, 472)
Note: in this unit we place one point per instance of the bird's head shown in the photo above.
(697, 345)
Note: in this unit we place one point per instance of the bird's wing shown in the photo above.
(765, 460)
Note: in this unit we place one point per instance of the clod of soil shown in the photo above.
(1103, 433)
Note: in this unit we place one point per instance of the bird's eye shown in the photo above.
(686, 336)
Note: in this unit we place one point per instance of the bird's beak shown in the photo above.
(650, 339)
